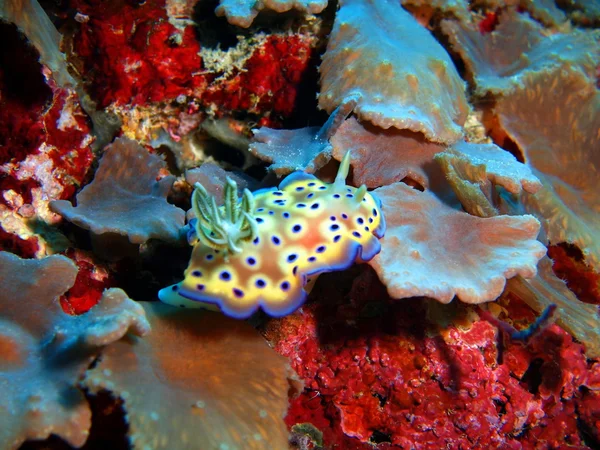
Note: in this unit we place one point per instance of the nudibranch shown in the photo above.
(263, 250)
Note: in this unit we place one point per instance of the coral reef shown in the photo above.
(466, 131)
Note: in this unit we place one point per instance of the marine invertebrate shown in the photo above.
(43, 350)
(536, 118)
(417, 374)
(125, 197)
(307, 149)
(380, 157)
(243, 12)
(467, 254)
(518, 46)
(199, 380)
(401, 75)
(45, 146)
(224, 229)
(304, 228)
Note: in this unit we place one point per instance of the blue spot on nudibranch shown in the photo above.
(320, 249)
(200, 287)
(278, 193)
(337, 237)
(312, 183)
(296, 228)
(336, 196)
(299, 188)
(197, 273)
(312, 259)
(260, 283)
(344, 216)
(360, 220)
(209, 257)
(356, 234)
(256, 241)
(285, 286)
(334, 227)
(292, 257)
(250, 260)
(286, 215)
(276, 240)
(314, 206)
(301, 205)
(238, 292)
(259, 220)
(225, 276)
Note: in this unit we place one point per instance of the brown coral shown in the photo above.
(125, 197)
(43, 350)
(199, 380)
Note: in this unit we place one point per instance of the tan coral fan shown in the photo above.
(401, 75)
(43, 351)
(199, 380)
(433, 250)
(125, 197)
(555, 120)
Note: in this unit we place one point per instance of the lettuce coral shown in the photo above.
(498, 60)
(401, 75)
(43, 350)
(433, 250)
(243, 12)
(537, 118)
(125, 197)
(199, 380)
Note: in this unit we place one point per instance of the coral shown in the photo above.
(433, 250)
(43, 351)
(391, 375)
(269, 81)
(580, 319)
(181, 389)
(305, 149)
(305, 227)
(29, 16)
(402, 76)
(135, 55)
(45, 143)
(92, 280)
(124, 197)
(498, 61)
(381, 157)
(536, 118)
(243, 12)
(568, 264)
(213, 178)
(473, 171)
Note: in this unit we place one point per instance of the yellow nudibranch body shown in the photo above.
(305, 227)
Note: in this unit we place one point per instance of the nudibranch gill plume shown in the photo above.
(282, 239)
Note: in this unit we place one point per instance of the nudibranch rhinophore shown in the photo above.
(289, 236)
